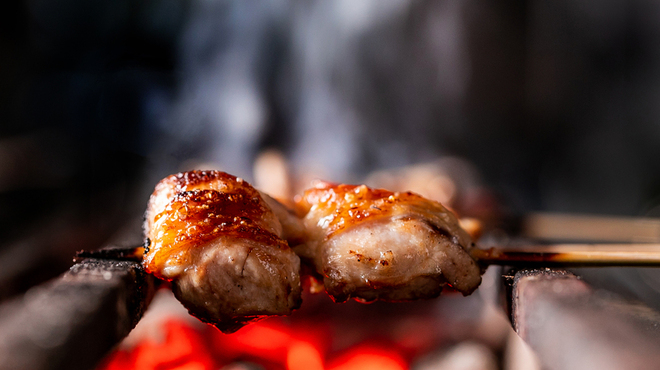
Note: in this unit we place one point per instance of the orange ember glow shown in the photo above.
(303, 356)
(276, 347)
(182, 348)
(262, 338)
(370, 359)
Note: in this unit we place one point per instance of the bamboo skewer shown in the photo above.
(566, 255)
(571, 255)
(590, 228)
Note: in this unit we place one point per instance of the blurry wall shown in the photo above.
(81, 85)
(555, 102)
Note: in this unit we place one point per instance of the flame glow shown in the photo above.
(272, 346)
(370, 359)
(303, 356)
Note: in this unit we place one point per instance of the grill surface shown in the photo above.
(72, 321)
(571, 325)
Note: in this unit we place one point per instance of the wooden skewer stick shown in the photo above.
(565, 255)
(571, 255)
(590, 228)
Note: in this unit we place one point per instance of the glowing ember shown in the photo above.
(344, 337)
(270, 346)
(303, 356)
(370, 359)
(183, 348)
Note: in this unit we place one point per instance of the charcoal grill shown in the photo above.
(73, 321)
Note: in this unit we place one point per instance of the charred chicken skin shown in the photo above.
(223, 245)
(373, 244)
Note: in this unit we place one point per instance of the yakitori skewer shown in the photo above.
(570, 255)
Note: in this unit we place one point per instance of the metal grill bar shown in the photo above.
(572, 326)
(74, 320)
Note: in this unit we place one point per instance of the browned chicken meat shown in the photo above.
(372, 244)
(223, 245)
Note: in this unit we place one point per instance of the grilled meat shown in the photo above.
(223, 246)
(372, 244)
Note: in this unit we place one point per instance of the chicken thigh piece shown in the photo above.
(373, 244)
(223, 247)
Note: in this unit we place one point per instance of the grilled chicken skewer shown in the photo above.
(223, 245)
(373, 244)
(543, 255)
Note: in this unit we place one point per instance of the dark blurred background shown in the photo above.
(555, 103)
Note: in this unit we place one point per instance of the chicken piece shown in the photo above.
(372, 244)
(223, 246)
